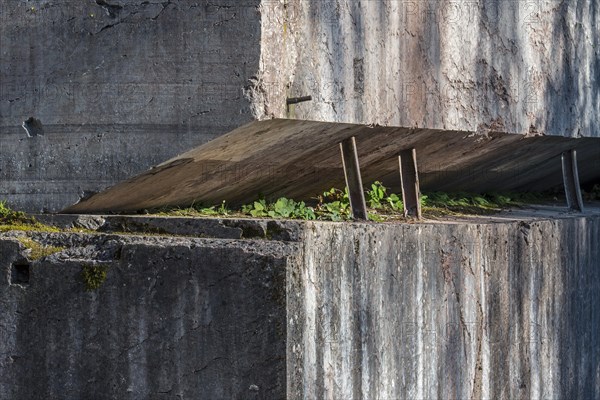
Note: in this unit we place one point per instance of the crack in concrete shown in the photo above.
(113, 10)
(215, 283)
(164, 6)
(197, 371)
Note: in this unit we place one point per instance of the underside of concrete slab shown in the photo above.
(299, 159)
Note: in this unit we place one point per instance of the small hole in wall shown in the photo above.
(20, 274)
(33, 127)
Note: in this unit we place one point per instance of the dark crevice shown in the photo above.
(33, 127)
(111, 9)
(115, 10)
(164, 6)
(19, 274)
(105, 27)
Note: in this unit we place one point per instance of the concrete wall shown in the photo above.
(118, 86)
(517, 66)
(176, 318)
(122, 85)
(448, 311)
(320, 311)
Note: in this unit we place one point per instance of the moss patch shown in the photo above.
(93, 276)
(38, 250)
(35, 227)
(11, 220)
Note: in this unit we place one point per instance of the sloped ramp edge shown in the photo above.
(299, 159)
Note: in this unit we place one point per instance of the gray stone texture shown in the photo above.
(222, 228)
(506, 310)
(121, 85)
(528, 66)
(118, 86)
(176, 318)
(447, 311)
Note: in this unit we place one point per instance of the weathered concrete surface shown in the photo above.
(447, 311)
(300, 159)
(221, 228)
(505, 309)
(122, 85)
(118, 86)
(176, 318)
(514, 66)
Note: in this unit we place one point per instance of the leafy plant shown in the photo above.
(11, 220)
(282, 208)
(213, 210)
(257, 209)
(378, 199)
(9, 216)
(333, 205)
(376, 217)
(376, 195)
(395, 202)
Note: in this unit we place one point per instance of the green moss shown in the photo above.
(36, 227)
(11, 220)
(93, 276)
(38, 250)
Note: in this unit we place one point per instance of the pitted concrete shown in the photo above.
(175, 318)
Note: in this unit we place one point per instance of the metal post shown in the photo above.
(571, 180)
(409, 178)
(353, 178)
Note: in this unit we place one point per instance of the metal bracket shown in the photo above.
(409, 178)
(296, 100)
(353, 178)
(289, 104)
(571, 180)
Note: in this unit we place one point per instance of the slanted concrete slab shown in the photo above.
(299, 159)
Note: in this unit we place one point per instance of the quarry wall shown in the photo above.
(315, 310)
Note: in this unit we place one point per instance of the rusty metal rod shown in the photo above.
(571, 180)
(296, 100)
(353, 179)
(409, 178)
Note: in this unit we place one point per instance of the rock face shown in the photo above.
(322, 310)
